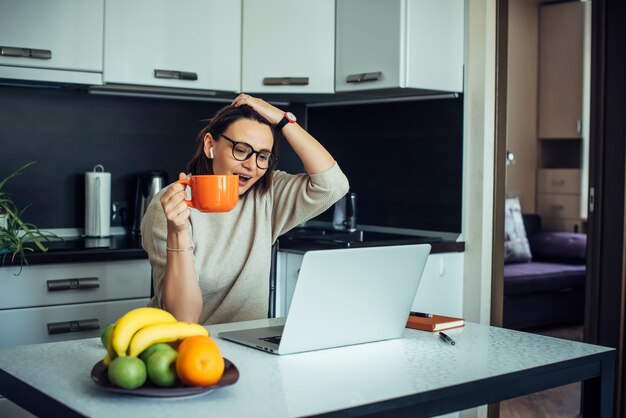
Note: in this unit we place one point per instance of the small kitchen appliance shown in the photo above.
(97, 202)
(148, 185)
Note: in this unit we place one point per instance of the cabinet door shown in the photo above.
(51, 34)
(60, 323)
(441, 288)
(185, 44)
(561, 29)
(401, 43)
(288, 46)
(292, 269)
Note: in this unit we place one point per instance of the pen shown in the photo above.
(423, 315)
(446, 338)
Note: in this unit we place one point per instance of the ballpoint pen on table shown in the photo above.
(421, 314)
(446, 338)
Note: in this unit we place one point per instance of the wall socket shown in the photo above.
(119, 214)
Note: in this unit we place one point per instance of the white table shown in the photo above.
(418, 375)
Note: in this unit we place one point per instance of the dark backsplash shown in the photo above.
(404, 159)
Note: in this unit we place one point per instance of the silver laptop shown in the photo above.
(343, 297)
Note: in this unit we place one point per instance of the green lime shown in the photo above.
(162, 368)
(148, 352)
(106, 334)
(127, 372)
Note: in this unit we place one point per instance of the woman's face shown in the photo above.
(254, 133)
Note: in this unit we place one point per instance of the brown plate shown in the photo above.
(99, 375)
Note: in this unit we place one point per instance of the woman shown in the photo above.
(214, 267)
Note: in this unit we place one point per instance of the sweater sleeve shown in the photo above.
(300, 197)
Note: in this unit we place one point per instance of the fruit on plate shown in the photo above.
(133, 321)
(162, 367)
(148, 352)
(106, 334)
(163, 333)
(199, 362)
(127, 372)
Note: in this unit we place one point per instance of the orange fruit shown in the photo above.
(199, 362)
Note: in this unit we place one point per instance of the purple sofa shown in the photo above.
(550, 289)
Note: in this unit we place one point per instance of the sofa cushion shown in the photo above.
(568, 247)
(516, 247)
(542, 277)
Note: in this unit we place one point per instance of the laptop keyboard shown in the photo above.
(273, 340)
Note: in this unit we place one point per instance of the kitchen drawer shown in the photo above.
(74, 283)
(558, 205)
(562, 224)
(559, 181)
(9, 410)
(30, 325)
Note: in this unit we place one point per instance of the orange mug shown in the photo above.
(213, 193)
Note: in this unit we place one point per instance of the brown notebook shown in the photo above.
(436, 323)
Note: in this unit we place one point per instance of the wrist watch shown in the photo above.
(288, 117)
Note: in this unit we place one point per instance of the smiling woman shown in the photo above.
(214, 267)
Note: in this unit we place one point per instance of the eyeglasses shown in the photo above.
(242, 151)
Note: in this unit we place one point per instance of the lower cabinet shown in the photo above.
(440, 290)
(56, 302)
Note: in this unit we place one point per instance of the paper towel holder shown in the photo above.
(97, 202)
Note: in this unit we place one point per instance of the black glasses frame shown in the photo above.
(271, 160)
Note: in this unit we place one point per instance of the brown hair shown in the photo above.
(216, 126)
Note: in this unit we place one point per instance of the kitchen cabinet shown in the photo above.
(52, 40)
(287, 269)
(415, 44)
(190, 44)
(440, 290)
(561, 52)
(58, 302)
(288, 46)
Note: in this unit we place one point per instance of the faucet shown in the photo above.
(344, 216)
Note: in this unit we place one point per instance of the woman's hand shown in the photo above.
(269, 112)
(176, 210)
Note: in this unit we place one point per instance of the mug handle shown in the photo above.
(186, 182)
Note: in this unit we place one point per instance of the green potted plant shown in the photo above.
(15, 233)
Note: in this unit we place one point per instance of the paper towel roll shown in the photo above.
(97, 202)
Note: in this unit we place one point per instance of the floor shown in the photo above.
(561, 402)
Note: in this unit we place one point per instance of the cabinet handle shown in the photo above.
(175, 75)
(286, 81)
(73, 326)
(557, 207)
(71, 284)
(10, 51)
(558, 182)
(361, 77)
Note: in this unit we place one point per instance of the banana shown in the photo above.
(163, 333)
(132, 322)
(110, 355)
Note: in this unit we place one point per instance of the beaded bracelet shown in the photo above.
(179, 250)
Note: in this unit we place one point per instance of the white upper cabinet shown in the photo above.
(288, 46)
(390, 44)
(43, 39)
(191, 44)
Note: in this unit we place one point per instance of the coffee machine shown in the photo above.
(148, 185)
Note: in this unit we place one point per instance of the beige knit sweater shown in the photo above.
(232, 250)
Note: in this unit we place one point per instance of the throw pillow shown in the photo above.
(516, 247)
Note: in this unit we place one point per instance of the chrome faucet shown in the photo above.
(344, 216)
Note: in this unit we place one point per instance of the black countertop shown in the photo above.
(300, 240)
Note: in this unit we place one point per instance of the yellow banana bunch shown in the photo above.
(132, 322)
(110, 355)
(163, 333)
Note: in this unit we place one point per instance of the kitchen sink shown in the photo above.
(338, 238)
